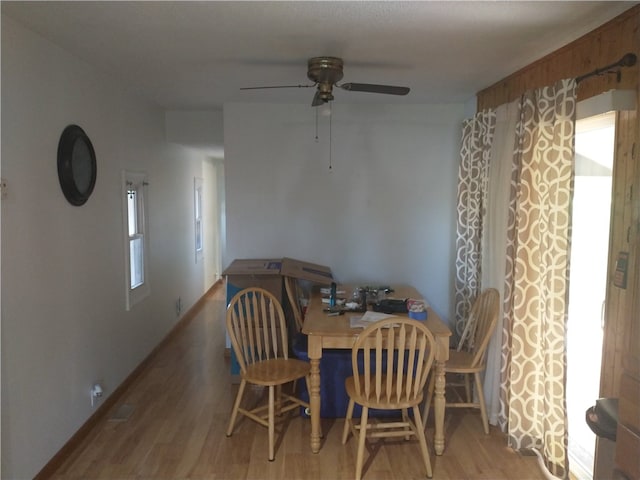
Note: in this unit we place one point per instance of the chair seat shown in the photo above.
(276, 371)
(373, 402)
(461, 362)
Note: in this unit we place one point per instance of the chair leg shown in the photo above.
(483, 408)
(427, 401)
(347, 422)
(278, 400)
(236, 406)
(405, 419)
(467, 388)
(272, 422)
(423, 441)
(361, 441)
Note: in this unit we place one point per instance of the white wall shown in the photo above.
(64, 324)
(203, 130)
(384, 213)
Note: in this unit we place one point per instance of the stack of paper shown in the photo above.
(367, 319)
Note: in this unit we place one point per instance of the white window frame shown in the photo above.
(135, 181)
(198, 218)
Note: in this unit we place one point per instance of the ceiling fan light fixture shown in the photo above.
(326, 91)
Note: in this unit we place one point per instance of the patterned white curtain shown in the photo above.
(494, 240)
(529, 349)
(477, 137)
(533, 406)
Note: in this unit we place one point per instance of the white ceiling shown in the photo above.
(196, 55)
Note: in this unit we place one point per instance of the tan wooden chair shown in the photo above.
(299, 345)
(396, 355)
(257, 328)
(470, 356)
(294, 294)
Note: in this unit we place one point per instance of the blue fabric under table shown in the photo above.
(335, 368)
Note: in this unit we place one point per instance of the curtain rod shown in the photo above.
(628, 60)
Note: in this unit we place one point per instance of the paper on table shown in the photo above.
(339, 301)
(327, 291)
(367, 319)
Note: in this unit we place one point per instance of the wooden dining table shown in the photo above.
(334, 331)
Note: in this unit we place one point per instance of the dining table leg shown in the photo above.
(315, 353)
(438, 406)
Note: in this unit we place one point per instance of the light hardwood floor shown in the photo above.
(181, 404)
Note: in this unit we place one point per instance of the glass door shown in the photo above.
(594, 153)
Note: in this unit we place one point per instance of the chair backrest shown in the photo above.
(256, 327)
(481, 323)
(402, 346)
(294, 293)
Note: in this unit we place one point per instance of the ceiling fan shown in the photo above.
(326, 72)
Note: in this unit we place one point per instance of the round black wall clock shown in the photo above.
(76, 165)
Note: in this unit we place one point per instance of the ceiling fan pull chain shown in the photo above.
(330, 136)
(316, 125)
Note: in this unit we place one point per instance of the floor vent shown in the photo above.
(122, 413)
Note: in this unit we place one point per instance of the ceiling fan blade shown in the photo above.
(278, 86)
(317, 99)
(371, 88)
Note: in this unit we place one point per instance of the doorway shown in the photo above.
(594, 153)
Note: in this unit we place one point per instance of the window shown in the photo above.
(197, 216)
(136, 241)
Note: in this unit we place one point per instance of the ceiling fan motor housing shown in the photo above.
(325, 70)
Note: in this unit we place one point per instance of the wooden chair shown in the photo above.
(470, 356)
(395, 356)
(299, 342)
(257, 328)
(294, 294)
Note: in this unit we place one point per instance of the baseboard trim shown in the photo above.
(85, 430)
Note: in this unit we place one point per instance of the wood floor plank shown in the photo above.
(181, 405)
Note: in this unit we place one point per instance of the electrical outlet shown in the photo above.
(95, 393)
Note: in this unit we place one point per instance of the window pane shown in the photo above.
(198, 234)
(132, 211)
(136, 252)
(198, 202)
(197, 213)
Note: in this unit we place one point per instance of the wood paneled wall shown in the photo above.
(603, 46)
